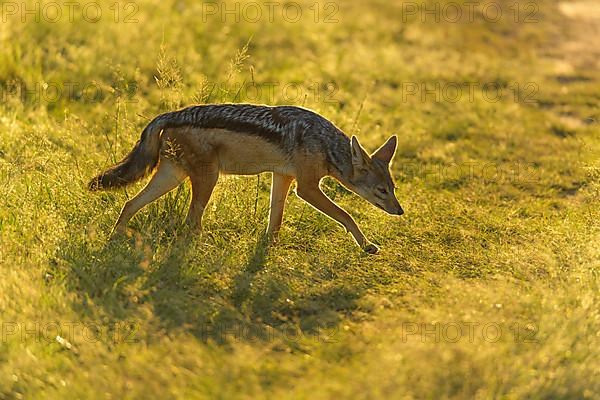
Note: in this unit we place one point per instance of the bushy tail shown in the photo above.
(138, 163)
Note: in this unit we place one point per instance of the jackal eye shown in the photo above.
(382, 190)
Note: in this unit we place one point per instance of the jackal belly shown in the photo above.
(247, 155)
(236, 153)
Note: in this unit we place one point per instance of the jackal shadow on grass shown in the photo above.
(204, 286)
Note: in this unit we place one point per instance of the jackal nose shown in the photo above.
(400, 211)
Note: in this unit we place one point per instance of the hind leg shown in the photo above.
(203, 183)
(167, 177)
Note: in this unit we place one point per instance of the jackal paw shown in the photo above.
(370, 248)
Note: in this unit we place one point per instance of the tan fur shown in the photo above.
(203, 154)
(235, 153)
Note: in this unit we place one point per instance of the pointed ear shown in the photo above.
(386, 152)
(359, 155)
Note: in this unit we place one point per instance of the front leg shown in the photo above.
(279, 191)
(311, 192)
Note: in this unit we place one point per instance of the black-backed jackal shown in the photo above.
(201, 142)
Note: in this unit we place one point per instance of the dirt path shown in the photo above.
(575, 57)
(581, 49)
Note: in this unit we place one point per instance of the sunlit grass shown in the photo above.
(500, 231)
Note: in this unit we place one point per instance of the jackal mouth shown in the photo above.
(399, 212)
(380, 206)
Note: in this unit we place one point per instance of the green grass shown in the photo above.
(500, 236)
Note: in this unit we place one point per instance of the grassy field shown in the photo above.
(488, 286)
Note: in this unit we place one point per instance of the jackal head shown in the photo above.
(371, 178)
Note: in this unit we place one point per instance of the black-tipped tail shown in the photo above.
(138, 163)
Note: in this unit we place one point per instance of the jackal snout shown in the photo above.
(372, 179)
